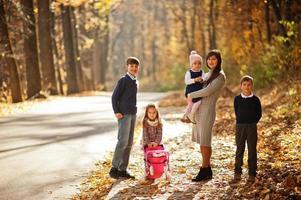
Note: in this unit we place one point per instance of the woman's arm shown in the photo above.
(215, 85)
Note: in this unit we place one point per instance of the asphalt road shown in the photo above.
(45, 152)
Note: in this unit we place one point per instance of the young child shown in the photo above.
(247, 108)
(124, 100)
(194, 78)
(152, 127)
(156, 158)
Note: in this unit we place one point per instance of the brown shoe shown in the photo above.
(191, 118)
(184, 119)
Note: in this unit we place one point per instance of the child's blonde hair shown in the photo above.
(144, 123)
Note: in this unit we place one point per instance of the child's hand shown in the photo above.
(154, 144)
(198, 79)
(118, 115)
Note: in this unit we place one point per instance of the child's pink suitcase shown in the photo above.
(156, 162)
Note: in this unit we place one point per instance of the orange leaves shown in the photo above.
(98, 184)
(173, 99)
(279, 152)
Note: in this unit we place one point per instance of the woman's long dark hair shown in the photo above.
(218, 67)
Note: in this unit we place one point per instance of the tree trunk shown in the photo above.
(56, 54)
(193, 22)
(8, 58)
(267, 21)
(202, 31)
(46, 55)
(154, 58)
(211, 28)
(79, 71)
(104, 61)
(288, 10)
(96, 61)
(250, 24)
(69, 51)
(31, 51)
(277, 13)
(185, 33)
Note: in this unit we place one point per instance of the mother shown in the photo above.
(205, 116)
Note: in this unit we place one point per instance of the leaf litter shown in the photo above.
(279, 147)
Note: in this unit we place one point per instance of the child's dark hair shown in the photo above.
(218, 67)
(144, 123)
(246, 78)
(132, 60)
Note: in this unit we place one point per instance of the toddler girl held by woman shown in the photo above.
(194, 79)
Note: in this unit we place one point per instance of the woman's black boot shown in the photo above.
(204, 174)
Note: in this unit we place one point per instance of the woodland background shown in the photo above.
(65, 47)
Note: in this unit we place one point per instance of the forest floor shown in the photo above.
(279, 155)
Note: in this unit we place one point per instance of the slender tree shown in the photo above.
(8, 59)
(56, 52)
(72, 83)
(31, 51)
(277, 11)
(211, 26)
(201, 23)
(46, 53)
(79, 71)
(250, 23)
(267, 20)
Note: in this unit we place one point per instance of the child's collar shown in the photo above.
(249, 96)
(196, 70)
(131, 76)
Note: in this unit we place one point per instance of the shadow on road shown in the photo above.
(70, 126)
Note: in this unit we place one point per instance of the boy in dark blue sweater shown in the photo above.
(247, 108)
(124, 100)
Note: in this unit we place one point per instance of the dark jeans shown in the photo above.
(246, 132)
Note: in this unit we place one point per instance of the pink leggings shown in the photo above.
(192, 107)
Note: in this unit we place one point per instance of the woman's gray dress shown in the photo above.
(205, 115)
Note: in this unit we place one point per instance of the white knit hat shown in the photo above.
(194, 56)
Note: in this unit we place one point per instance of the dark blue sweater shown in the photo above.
(124, 97)
(247, 110)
